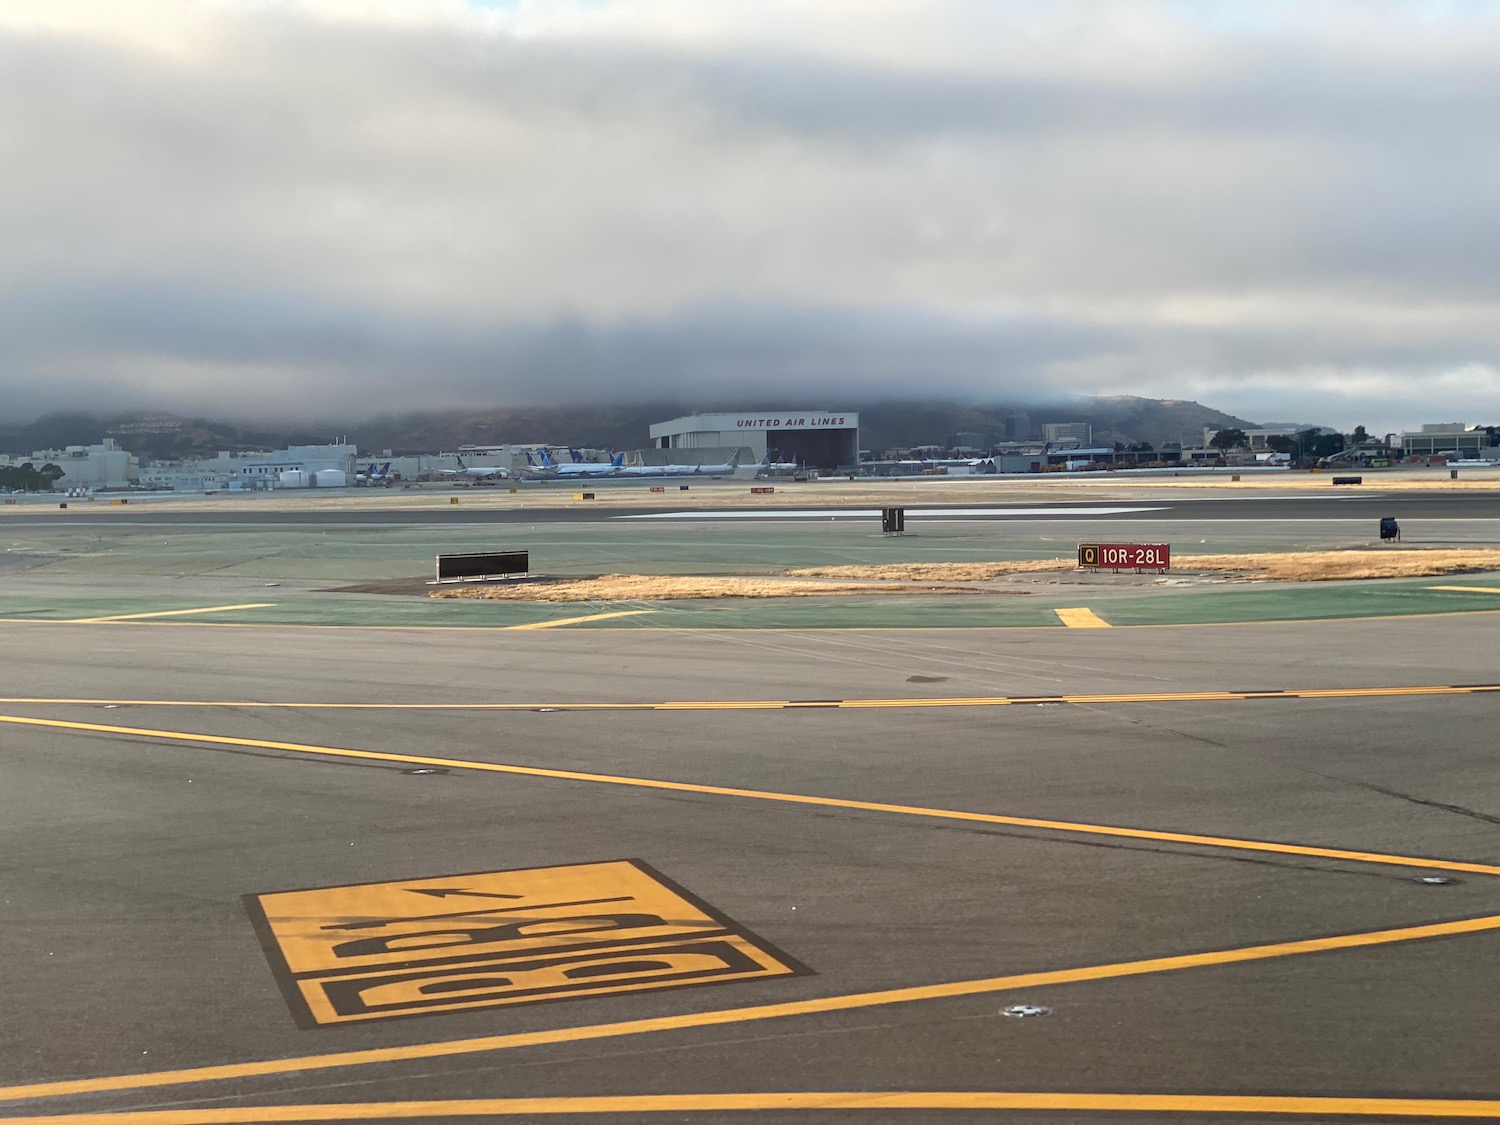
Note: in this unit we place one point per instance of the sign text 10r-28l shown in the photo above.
(1125, 556)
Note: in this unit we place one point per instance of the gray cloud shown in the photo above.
(273, 212)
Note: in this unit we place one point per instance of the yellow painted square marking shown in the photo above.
(1081, 618)
(376, 951)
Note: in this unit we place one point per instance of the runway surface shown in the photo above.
(1369, 504)
(1270, 906)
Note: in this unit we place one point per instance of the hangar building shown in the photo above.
(817, 439)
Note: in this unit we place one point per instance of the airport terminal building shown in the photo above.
(827, 440)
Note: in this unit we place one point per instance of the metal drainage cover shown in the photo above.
(1021, 1011)
(1436, 880)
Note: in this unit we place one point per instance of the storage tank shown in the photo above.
(293, 478)
(330, 478)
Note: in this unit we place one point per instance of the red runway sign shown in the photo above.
(1125, 556)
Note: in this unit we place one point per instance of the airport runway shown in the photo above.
(1031, 875)
(1368, 505)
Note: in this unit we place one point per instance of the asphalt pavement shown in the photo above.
(1126, 888)
(1364, 504)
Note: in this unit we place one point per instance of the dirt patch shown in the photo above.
(657, 588)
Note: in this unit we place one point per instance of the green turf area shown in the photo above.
(1229, 603)
(347, 555)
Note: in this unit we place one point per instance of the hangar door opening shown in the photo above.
(816, 449)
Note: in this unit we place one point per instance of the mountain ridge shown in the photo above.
(884, 424)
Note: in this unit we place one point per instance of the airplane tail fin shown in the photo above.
(734, 462)
(460, 461)
(617, 461)
(546, 459)
(577, 457)
(386, 468)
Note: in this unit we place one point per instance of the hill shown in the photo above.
(610, 426)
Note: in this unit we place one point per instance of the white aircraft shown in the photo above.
(578, 470)
(768, 466)
(683, 470)
(374, 474)
(475, 472)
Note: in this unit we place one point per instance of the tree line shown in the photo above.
(28, 478)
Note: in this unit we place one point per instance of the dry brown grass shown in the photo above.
(908, 578)
(660, 588)
(935, 572)
(1325, 566)
(1291, 566)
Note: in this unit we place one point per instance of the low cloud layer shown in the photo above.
(344, 208)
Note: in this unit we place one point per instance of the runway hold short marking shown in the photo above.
(374, 951)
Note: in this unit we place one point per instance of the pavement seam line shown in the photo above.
(1321, 1106)
(781, 704)
(719, 1017)
(1077, 827)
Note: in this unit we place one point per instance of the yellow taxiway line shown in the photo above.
(1321, 1107)
(1081, 618)
(1075, 827)
(576, 620)
(167, 613)
(1469, 589)
(1396, 692)
(721, 1017)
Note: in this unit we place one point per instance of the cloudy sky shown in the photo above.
(331, 207)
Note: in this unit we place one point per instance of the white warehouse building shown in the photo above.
(105, 465)
(817, 439)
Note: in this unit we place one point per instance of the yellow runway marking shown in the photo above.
(821, 1100)
(1081, 618)
(1469, 589)
(167, 613)
(793, 704)
(367, 951)
(844, 1003)
(1080, 828)
(577, 620)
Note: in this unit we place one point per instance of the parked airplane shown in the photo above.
(475, 472)
(683, 470)
(374, 475)
(578, 470)
(768, 466)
